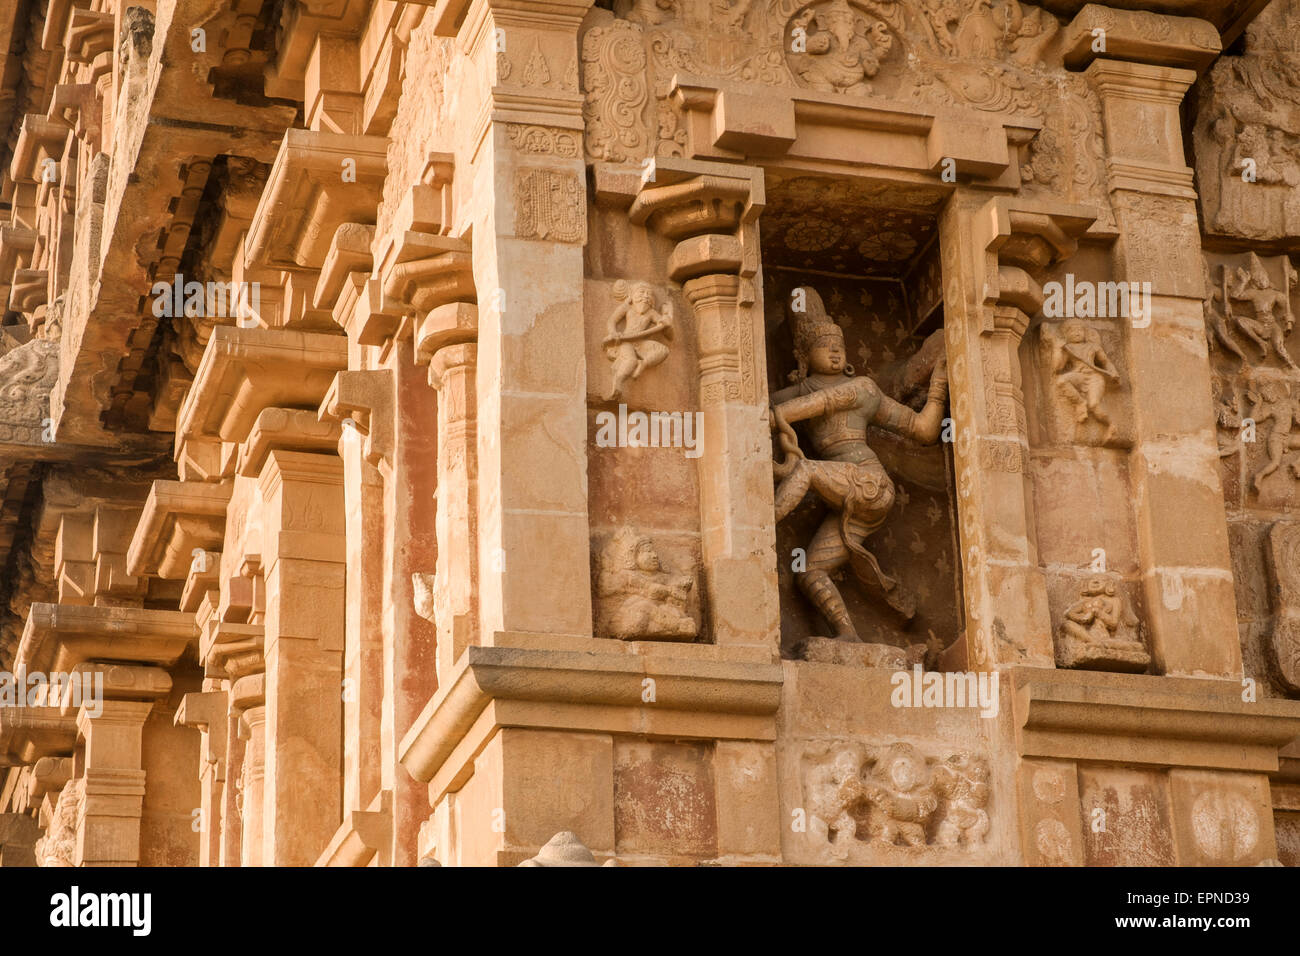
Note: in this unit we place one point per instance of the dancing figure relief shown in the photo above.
(837, 406)
(630, 343)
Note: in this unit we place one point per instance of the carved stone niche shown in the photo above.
(871, 796)
(1247, 133)
(902, 599)
(1097, 627)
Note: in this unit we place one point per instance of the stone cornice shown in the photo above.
(289, 429)
(29, 733)
(307, 199)
(726, 120)
(1135, 718)
(699, 692)
(1140, 37)
(57, 638)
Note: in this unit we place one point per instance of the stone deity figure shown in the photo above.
(629, 344)
(1100, 631)
(1273, 402)
(1100, 616)
(639, 599)
(1081, 371)
(844, 49)
(838, 407)
(1272, 318)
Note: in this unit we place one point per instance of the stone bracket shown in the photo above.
(367, 399)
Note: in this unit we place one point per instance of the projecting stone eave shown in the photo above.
(178, 518)
(178, 124)
(245, 371)
(56, 638)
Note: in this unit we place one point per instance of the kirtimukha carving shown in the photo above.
(1283, 552)
(838, 406)
(1081, 373)
(1273, 401)
(640, 600)
(1099, 631)
(630, 344)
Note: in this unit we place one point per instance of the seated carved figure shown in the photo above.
(838, 407)
(639, 599)
(1100, 631)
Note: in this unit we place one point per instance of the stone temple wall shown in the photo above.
(641, 432)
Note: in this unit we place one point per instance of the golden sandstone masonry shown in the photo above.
(557, 433)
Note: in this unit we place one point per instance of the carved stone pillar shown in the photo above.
(207, 712)
(528, 253)
(989, 249)
(711, 211)
(303, 563)
(108, 819)
(452, 371)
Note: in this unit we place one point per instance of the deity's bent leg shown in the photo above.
(826, 553)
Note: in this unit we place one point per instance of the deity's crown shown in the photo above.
(810, 325)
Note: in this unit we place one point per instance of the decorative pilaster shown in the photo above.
(711, 211)
(990, 248)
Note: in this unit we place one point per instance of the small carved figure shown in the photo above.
(1274, 402)
(1272, 318)
(629, 344)
(844, 47)
(901, 796)
(835, 797)
(1081, 372)
(963, 783)
(639, 599)
(1101, 632)
(651, 13)
(729, 14)
(839, 406)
